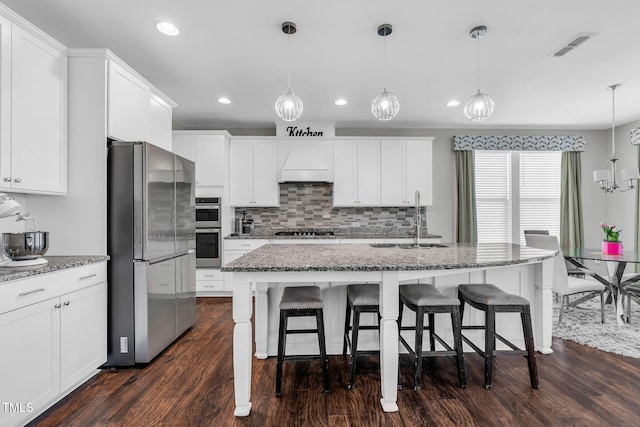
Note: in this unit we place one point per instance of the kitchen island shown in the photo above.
(522, 270)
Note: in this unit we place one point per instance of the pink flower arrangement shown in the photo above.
(612, 235)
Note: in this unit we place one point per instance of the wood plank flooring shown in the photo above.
(191, 384)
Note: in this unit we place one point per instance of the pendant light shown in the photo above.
(288, 105)
(479, 106)
(385, 106)
(607, 178)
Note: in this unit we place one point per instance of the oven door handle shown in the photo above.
(207, 230)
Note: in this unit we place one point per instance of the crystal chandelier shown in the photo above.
(480, 106)
(385, 106)
(288, 105)
(607, 178)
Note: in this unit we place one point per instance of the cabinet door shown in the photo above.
(265, 173)
(5, 103)
(185, 146)
(128, 105)
(160, 127)
(345, 185)
(369, 173)
(392, 173)
(241, 173)
(83, 327)
(30, 360)
(38, 114)
(419, 171)
(210, 160)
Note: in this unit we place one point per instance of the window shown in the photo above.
(517, 191)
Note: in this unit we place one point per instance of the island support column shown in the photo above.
(242, 343)
(543, 307)
(389, 301)
(262, 319)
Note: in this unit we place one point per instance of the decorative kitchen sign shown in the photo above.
(306, 129)
(635, 136)
(519, 142)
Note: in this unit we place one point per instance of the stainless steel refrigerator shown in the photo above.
(151, 244)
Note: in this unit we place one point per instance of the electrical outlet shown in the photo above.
(124, 345)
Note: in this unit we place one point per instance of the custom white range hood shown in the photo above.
(305, 161)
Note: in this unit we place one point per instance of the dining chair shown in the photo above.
(572, 270)
(563, 284)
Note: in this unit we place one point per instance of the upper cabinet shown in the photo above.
(129, 110)
(253, 173)
(357, 173)
(208, 150)
(33, 111)
(160, 126)
(406, 166)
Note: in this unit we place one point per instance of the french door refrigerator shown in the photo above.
(151, 245)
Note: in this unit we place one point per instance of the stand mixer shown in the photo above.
(26, 248)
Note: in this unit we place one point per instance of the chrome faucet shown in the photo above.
(416, 221)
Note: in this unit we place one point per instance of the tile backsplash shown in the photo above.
(309, 205)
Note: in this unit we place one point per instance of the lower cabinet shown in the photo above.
(209, 282)
(53, 345)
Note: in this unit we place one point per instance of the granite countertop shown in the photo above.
(340, 233)
(362, 257)
(55, 263)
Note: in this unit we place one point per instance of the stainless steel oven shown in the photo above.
(208, 212)
(208, 248)
(208, 233)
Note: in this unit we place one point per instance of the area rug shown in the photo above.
(582, 325)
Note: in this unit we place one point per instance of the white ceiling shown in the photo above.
(237, 49)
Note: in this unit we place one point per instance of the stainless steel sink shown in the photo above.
(407, 245)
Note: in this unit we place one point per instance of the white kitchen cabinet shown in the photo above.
(33, 115)
(208, 151)
(357, 173)
(406, 166)
(209, 282)
(55, 325)
(129, 110)
(253, 173)
(160, 126)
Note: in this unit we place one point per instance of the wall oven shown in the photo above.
(208, 232)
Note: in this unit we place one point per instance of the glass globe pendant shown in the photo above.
(385, 106)
(288, 106)
(478, 107)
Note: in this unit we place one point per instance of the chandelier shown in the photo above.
(288, 105)
(385, 106)
(607, 178)
(479, 106)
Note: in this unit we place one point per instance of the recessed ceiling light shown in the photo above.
(453, 103)
(168, 28)
(224, 100)
(340, 101)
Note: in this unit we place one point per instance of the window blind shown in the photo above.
(493, 205)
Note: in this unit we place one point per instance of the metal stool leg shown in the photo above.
(347, 321)
(354, 347)
(282, 339)
(489, 340)
(418, 348)
(323, 351)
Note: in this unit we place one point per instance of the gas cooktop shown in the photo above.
(304, 233)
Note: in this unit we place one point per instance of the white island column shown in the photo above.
(242, 343)
(389, 304)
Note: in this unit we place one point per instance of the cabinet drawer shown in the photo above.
(244, 244)
(23, 292)
(209, 286)
(209, 274)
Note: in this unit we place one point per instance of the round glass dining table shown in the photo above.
(616, 265)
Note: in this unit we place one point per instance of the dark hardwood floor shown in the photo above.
(191, 384)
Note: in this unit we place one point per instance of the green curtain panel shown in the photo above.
(465, 221)
(636, 237)
(571, 227)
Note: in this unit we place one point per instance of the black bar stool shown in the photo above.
(361, 298)
(490, 299)
(299, 301)
(426, 299)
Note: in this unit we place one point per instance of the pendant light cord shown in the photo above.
(478, 61)
(289, 59)
(613, 122)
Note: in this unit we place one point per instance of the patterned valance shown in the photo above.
(519, 143)
(635, 136)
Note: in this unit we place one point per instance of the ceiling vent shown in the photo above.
(574, 43)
